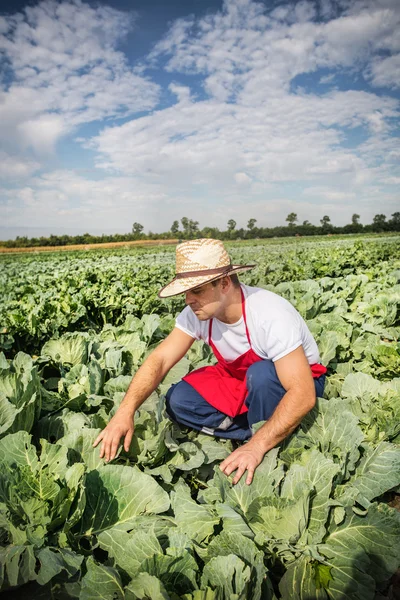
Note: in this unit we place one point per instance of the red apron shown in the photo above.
(224, 385)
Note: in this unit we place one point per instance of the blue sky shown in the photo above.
(119, 111)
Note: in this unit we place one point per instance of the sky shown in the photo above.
(128, 111)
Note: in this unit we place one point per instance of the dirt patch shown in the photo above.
(395, 501)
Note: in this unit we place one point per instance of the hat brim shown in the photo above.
(182, 285)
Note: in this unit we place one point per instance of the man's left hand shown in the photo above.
(246, 458)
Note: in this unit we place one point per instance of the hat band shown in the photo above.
(204, 272)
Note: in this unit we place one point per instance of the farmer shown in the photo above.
(268, 362)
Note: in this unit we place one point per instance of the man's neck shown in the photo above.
(232, 312)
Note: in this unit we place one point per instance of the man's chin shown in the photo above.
(200, 315)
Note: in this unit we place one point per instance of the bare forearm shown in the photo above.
(144, 382)
(286, 417)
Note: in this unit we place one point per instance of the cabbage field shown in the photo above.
(320, 520)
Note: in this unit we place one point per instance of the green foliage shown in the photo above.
(162, 521)
(44, 296)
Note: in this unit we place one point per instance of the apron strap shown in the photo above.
(244, 318)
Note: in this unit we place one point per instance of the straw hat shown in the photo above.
(199, 262)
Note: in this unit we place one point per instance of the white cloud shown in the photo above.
(67, 71)
(329, 193)
(43, 132)
(254, 132)
(327, 78)
(253, 145)
(242, 178)
(295, 137)
(385, 72)
(14, 167)
(236, 55)
(66, 198)
(327, 9)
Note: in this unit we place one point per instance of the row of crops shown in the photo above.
(162, 521)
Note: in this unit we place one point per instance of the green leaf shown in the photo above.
(101, 583)
(303, 580)
(150, 325)
(360, 385)
(148, 446)
(196, 520)
(146, 587)
(17, 564)
(214, 450)
(54, 458)
(187, 457)
(328, 343)
(117, 495)
(363, 549)
(71, 349)
(53, 561)
(266, 479)
(318, 472)
(334, 430)
(82, 442)
(207, 594)
(230, 574)
(227, 543)
(174, 375)
(16, 449)
(378, 472)
(322, 575)
(20, 400)
(117, 384)
(280, 518)
(55, 426)
(130, 550)
(177, 573)
(233, 522)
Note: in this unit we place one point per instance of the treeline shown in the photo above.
(187, 229)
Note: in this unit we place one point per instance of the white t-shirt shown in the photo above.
(275, 328)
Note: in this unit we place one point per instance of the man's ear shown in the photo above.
(225, 283)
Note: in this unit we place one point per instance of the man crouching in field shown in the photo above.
(268, 362)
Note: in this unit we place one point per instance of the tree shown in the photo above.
(291, 219)
(325, 221)
(379, 220)
(137, 229)
(354, 219)
(175, 227)
(251, 223)
(211, 232)
(395, 220)
(194, 227)
(231, 225)
(189, 227)
(305, 223)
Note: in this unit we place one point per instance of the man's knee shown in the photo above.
(261, 375)
(175, 398)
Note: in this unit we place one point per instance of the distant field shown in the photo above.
(323, 507)
(138, 243)
(89, 246)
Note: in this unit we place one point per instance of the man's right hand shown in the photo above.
(120, 426)
(145, 381)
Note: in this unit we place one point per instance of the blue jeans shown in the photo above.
(186, 406)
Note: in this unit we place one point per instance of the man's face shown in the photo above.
(205, 301)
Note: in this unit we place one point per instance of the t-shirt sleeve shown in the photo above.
(282, 335)
(187, 322)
